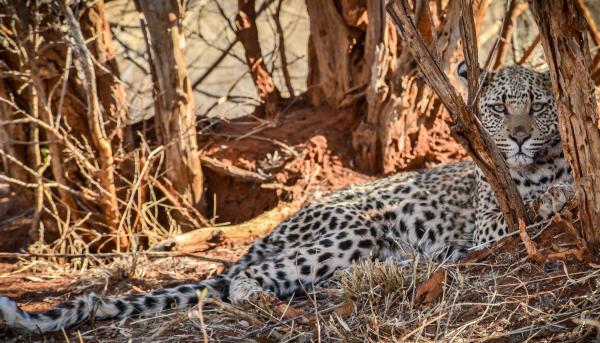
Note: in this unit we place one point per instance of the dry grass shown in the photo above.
(505, 297)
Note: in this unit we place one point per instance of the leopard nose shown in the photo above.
(520, 137)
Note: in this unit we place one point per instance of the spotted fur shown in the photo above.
(442, 212)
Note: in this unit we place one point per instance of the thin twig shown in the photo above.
(281, 39)
(593, 28)
(231, 170)
(148, 254)
(530, 49)
(513, 12)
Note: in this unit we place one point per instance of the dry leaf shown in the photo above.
(430, 290)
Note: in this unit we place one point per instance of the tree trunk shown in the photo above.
(247, 34)
(174, 102)
(356, 60)
(401, 110)
(334, 57)
(112, 97)
(566, 46)
(14, 155)
(372, 138)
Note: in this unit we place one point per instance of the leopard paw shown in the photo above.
(243, 291)
(554, 199)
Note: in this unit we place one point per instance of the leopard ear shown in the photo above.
(461, 70)
(546, 77)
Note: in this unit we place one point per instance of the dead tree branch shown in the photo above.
(247, 33)
(469, 130)
(592, 27)
(200, 239)
(281, 39)
(529, 50)
(514, 10)
(595, 34)
(231, 170)
(226, 51)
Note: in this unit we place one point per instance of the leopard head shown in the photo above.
(518, 110)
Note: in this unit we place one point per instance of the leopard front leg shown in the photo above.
(490, 224)
(299, 268)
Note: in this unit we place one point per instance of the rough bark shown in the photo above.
(334, 57)
(469, 129)
(566, 47)
(174, 102)
(401, 110)
(247, 34)
(112, 98)
(356, 60)
(371, 138)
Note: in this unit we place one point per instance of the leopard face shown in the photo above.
(518, 110)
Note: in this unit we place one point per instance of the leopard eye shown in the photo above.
(500, 108)
(537, 107)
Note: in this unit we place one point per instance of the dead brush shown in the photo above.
(384, 296)
(75, 249)
(504, 298)
(481, 302)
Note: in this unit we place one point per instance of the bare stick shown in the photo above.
(530, 49)
(197, 240)
(226, 51)
(595, 34)
(156, 254)
(259, 226)
(231, 170)
(35, 150)
(514, 10)
(284, 62)
(247, 33)
(592, 27)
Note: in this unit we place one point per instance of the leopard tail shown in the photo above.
(92, 306)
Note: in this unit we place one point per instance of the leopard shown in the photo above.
(442, 212)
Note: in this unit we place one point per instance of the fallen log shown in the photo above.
(231, 170)
(204, 238)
